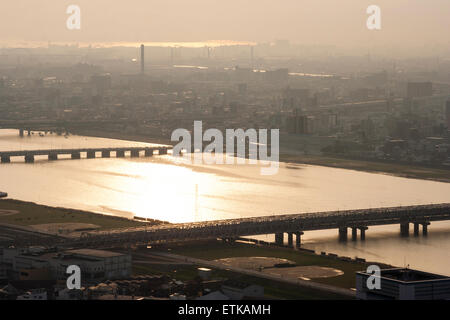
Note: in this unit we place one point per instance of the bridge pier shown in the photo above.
(416, 229)
(354, 233)
(425, 228)
(404, 229)
(29, 158)
(162, 151)
(343, 234)
(362, 230)
(135, 153)
(5, 159)
(21, 132)
(148, 152)
(106, 154)
(76, 155)
(290, 239)
(120, 154)
(298, 238)
(279, 238)
(52, 156)
(90, 154)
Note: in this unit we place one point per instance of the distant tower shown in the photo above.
(142, 58)
(252, 57)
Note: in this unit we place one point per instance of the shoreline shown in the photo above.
(30, 213)
(393, 169)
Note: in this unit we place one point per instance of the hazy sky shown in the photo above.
(416, 22)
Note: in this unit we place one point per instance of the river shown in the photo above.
(168, 188)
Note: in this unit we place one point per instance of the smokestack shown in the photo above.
(142, 58)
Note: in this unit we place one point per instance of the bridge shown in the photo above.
(61, 126)
(52, 154)
(292, 224)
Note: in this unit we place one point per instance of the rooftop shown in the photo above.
(95, 253)
(409, 275)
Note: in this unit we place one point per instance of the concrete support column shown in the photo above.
(21, 132)
(135, 153)
(148, 152)
(425, 228)
(404, 229)
(279, 238)
(354, 233)
(362, 230)
(29, 159)
(162, 151)
(52, 156)
(298, 239)
(343, 234)
(416, 229)
(90, 154)
(106, 154)
(6, 159)
(76, 155)
(290, 239)
(120, 154)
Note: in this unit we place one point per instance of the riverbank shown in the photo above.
(23, 213)
(400, 170)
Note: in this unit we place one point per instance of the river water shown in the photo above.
(171, 189)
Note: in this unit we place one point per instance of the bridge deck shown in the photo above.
(76, 150)
(272, 224)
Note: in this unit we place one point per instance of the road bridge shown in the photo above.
(52, 154)
(292, 224)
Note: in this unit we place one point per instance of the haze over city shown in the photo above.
(405, 23)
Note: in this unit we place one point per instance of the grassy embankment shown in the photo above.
(31, 214)
(211, 250)
(218, 250)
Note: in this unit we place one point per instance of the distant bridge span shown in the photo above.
(5, 156)
(292, 224)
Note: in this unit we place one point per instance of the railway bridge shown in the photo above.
(292, 225)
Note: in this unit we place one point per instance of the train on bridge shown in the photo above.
(291, 224)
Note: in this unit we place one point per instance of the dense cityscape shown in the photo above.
(374, 108)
